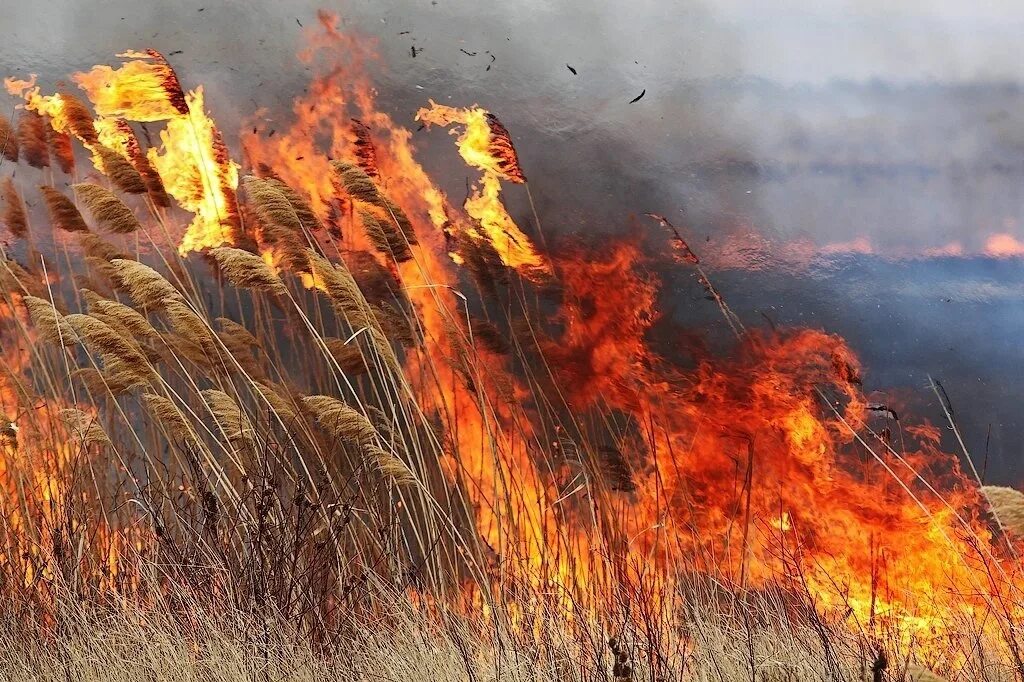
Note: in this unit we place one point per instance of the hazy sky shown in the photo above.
(789, 41)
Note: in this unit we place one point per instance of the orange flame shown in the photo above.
(485, 144)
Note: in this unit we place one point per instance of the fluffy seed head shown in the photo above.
(63, 214)
(14, 216)
(107, 210)
(1008, 505)
(340, 420)
(247, 270)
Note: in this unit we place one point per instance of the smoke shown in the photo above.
(898, 129)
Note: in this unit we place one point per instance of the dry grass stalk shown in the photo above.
(1008, 506)
(144, 284)
(63, 214)
(15, 217)
(48, 321)
(84, 427)
(32, 139)
(340, 420)
(119, 170)
(107, 210)
(61, 149)
(8, 140)
(115, 379)
(247, 270)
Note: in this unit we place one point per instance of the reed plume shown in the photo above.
(188, 324)
(166, 413)
(365, 153)
(348, 356)
(247, 270)
(232, 421)
(280, 405)
(141, 163)
(341, 288)
(49, 322)
(32, 139)
(63, 214)
(270, 204)
(119, 170)
(238, 331)
(500, 147)
(14, 214)
(13, 277)
(102, 340)
(303, 211)
(144, 285)
(61, 149)
(389, 465)
(1008, 506)
(384, 237)
(280, 225)
(127, 317)
(357, 183)
(107, 210)
(84, 427)
(8, 140)
(340, 420)
(361, 188)
(95, 246)
(79, 119)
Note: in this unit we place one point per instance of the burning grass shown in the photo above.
(364, 434)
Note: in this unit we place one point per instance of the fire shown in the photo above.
(193, 163)
(198, 172)
(485, 144)
(146, 89)
(589, 460)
